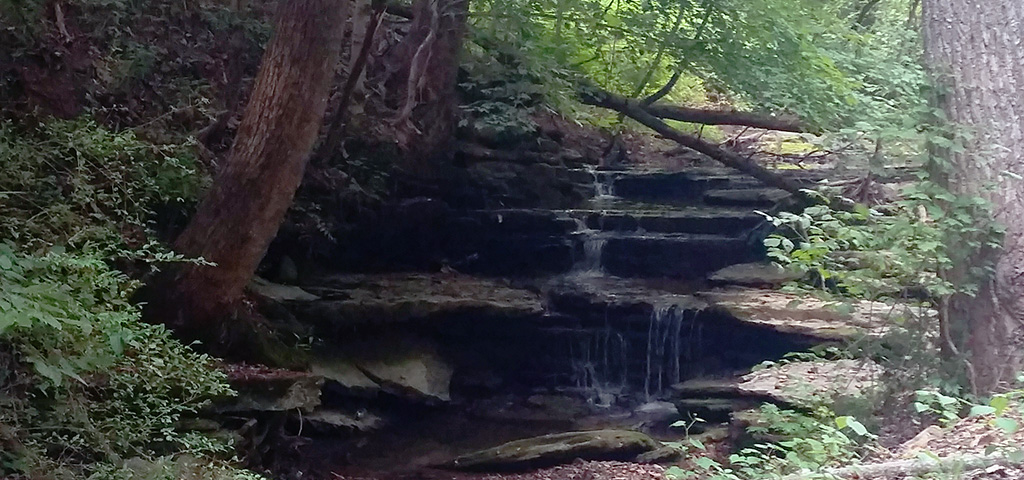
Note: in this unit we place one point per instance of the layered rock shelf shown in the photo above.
(646, 302)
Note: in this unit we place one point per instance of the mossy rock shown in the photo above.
(558, 448)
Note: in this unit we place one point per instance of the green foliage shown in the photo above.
(804, 57)
(863, 253)
(93, 385)
(72, 182)
(806, 442)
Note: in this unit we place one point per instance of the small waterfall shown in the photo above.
(593, 248)
(600, 360)
(604, 187)
(618, 357)
(662, 368)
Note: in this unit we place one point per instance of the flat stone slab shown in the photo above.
(559, 448)
(757, 274)
(805, 315)
(601, 293)
(390, 298)
(394, 361)
(700, 220)
(799, 384)
(754, 197)
(279, 292)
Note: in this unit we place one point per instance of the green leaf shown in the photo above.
(1008, 425)
(999, 403)
(857, 427)
(979, 410)
(698, 444)
(706, 463)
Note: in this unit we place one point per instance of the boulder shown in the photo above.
(391, 361)
(419, 374)
(559, 448)
(343, 373)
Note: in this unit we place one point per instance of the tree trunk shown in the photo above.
(426, 68)
(251, 193)
(974, 52)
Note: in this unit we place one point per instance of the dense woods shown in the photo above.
(622, 239)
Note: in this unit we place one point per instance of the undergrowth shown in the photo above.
(87, 390)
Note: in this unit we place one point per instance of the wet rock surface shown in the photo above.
(348, 300)
(805, 315)
(558, 448)
(572, 300)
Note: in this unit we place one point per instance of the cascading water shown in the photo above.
(593, 248)
(619, 356)
(664, 349)
(604, 188)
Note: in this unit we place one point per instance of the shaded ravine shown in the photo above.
(551, 320)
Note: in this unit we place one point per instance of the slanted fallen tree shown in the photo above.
(642, 112)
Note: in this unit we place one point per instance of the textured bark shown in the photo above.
(241, 213)
(976, 54)
(784, 123)
(425, 67)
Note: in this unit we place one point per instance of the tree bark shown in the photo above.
(784, 123)
(426, 68)
(973, 50)
(243, 209)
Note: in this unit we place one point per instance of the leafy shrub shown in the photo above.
(73, 183)
(93, 385)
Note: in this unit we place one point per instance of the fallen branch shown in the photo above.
(635, 110)
(784, 123)
(907, 468)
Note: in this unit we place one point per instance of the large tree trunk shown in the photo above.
(974, 50)
(425, 67)
(251, 193)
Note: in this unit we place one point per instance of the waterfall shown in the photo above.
(662, 367)
(599, 364)
(593, 248)
(604, 187)
(615, 357)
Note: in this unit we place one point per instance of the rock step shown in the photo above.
(685, 220)
(683, 256)
(763, 198)
(346, 301)
(662, 186)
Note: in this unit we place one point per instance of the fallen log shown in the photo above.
(637, 111)
(907, 468)
(786, 123)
